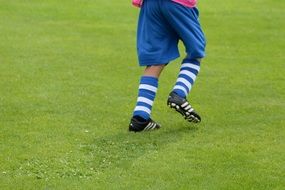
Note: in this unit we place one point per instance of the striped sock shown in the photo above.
(186, 78)
(147, 91)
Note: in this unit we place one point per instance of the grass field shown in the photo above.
(68, 85)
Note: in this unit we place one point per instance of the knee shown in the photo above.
(153, 70)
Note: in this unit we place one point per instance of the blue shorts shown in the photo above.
(162, 23)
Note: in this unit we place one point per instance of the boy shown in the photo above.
(161, 24)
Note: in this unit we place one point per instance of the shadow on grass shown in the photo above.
(90, 159)
(122, 149)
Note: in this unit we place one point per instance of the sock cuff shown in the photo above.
(153, 81)
(193, 61)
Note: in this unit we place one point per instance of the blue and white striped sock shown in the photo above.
(147, 91)
(186, 78)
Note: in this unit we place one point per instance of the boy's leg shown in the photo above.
(147, 91)
(186, 23)
(153, 71)
(188, 72)
(177, 98)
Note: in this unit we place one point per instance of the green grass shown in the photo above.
(64, 64)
